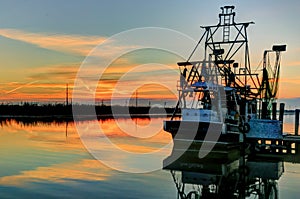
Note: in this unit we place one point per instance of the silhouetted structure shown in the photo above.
(33, 111)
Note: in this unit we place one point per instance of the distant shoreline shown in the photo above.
(60, 112)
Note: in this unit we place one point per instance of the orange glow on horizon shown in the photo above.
(50, 136)
(48, 83)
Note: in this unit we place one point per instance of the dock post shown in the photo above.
(296, 121)
(281, 113)
(274, 110)
(264, 110)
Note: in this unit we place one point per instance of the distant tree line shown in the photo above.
(65, 111)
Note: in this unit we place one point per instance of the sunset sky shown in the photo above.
(44, 43)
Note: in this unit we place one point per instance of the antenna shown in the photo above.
(67, 94)
(136, 98)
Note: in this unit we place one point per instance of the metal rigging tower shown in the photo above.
(226, 46)
(269, 84)
(228, 40)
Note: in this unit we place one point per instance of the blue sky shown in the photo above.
(22, 58)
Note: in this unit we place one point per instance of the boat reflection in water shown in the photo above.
(227, 174)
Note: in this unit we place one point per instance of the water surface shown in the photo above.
(48, 160)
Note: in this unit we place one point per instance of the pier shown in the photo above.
(286, 148)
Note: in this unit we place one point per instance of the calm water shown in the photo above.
(48, 160)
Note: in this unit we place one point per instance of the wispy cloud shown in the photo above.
(87, 169)
(49, 81)
(290, 81)
(77, 44)
(44, 83)
(292, 63)
(55, 73)
(20, 87)
(33, 91)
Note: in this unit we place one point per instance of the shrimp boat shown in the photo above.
(222, 99)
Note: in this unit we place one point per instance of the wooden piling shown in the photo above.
(281, 113)
(264, 110)
(274, 110)
(297, 121)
